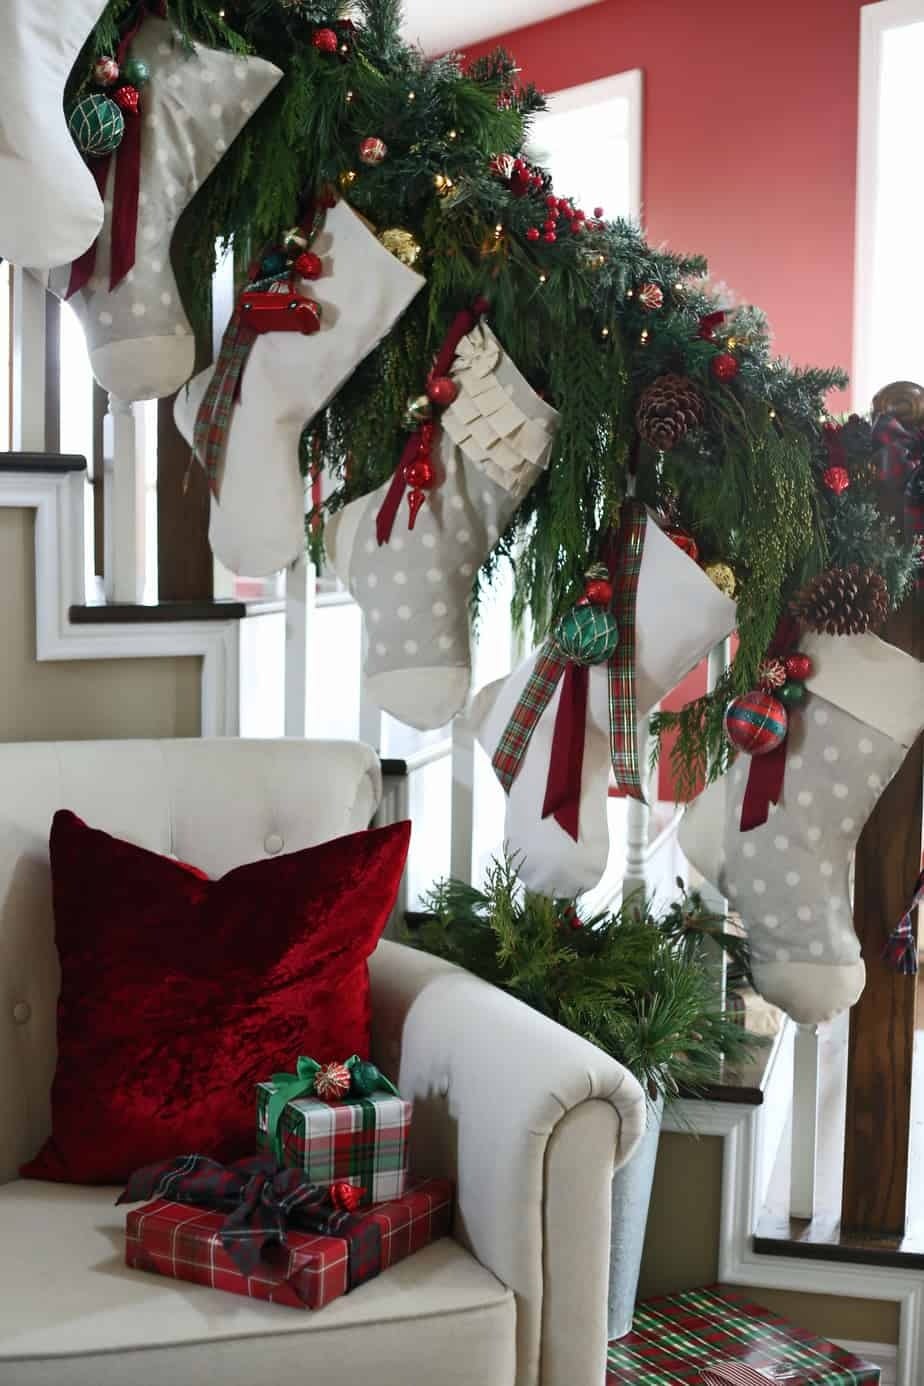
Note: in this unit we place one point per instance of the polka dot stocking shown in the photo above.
(50, 211)
(139, 337)
(495, 441)
(680, 616)
(790, 878)
(258, 514)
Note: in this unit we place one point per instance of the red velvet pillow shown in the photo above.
(178, 994)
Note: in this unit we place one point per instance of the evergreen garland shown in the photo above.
(641, 987)
(747, 484)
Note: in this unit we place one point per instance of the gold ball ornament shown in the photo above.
(401, 244)
(443, 184)
(904, 399)
(723, 577)
(347, 178)
(419, 409)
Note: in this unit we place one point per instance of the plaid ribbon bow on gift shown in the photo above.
(262, 1202)
(731, 1373)
(624, 560)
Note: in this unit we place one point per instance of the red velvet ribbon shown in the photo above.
(124, 225)
(566, 763)
(768, 772)
(462, 324)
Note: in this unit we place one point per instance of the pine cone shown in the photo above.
(667, 409)
(843, 601)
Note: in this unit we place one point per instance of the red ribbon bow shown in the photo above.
(124, 227)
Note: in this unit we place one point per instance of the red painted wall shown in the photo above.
(750, 134)
(750, 130)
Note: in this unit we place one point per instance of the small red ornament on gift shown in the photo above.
(346, 1196)
(332, 1081)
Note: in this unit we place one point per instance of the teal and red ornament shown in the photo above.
(756, 723)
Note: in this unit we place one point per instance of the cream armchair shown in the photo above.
(529, 1120)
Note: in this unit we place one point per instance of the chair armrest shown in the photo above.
(531, 1121)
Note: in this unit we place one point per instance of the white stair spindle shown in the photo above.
(124, 451)
(804, 1123)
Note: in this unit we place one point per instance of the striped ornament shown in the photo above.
(756, 723)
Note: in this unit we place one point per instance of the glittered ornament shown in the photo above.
(588, 635)
(771, 674)
(724, 366)
(650, 296)
(345, 1197)
(684, 541)
(372, 150)
(105, 72)
(332, 1081)
(136, 72)
(419, 473)
(97, 126)
(756, 723)
(401, 244)
(798, 666)
(723, 577)
(325, 40)
(792, 693)
(442, 390)
(127, 99)
(308, 265)
(837, 479)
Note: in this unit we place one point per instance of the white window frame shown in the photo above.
(876, 20)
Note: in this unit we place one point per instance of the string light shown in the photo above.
(604, 332)
(349, 96)
(344, 49)
(732, 343)
(452, 134)
(773, 413)
(412, 96)
(644, 337)
(543, 278)
(630, 293)
(499, 229)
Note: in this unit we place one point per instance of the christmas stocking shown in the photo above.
(679, 616)
(193, 106)
(789, 877)
(495, 440)
(258, 510)
(50, 210)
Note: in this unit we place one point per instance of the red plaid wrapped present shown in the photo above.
(185, 1243)
(714, 1337)
(359, 1141)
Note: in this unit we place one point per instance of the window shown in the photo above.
(590, 141)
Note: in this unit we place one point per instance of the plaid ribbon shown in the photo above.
(740, 1374)
(214, 417)
(625, 567)
(901, 949)
(261, 1202)
(900, 453)
(624, 560)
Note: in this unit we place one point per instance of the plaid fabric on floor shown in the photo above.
(363, 1142)
(185, 1243)
(700, 1336)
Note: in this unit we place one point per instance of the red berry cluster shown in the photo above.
(563, 217)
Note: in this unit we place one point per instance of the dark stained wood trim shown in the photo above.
(51, 462)
(396, 768)
(113, 613)
(823, 1239)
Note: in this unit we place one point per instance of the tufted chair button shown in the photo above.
(22, 1012)
(273, 843)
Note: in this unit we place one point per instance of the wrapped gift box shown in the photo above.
(184, 1242)
(359, 1141)
(714, 1337)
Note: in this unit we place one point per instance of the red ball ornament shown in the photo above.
(533, 233)
(549, 236)
(550, 224)
(651, 296)
(598, 212)
(309, 266)
(332, 1081)
(372, 150)
(325, 40)
(684, 541)
(756, 723)
(798, 666)
(724, 366)
(599, 591)
(837, 479)
(105, 72)
(442, 390)
(127, 99)
(552, 201)
(577, 226)
(345, 1196)
(419, 473)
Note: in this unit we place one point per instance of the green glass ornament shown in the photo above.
(588, 634)
(366, 1079)
(136, 72)
(274, 263)
(792, 693)
(97, 126)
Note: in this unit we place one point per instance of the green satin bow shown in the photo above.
(365, 1078)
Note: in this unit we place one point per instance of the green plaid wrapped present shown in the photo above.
(359, 1141)
(714, 1337)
